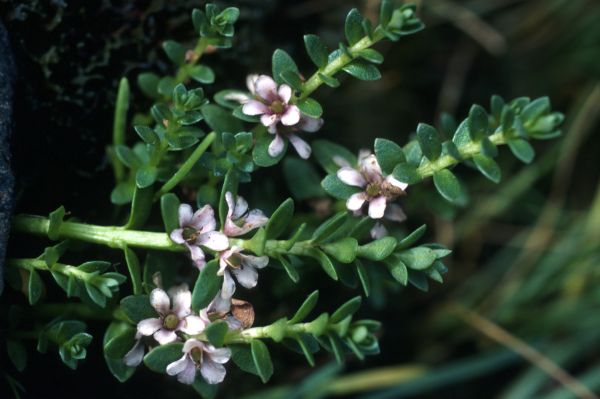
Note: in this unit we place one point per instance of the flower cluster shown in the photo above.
(274, 104)
(175, 319)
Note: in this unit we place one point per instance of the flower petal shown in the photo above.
(182, 302)
(220, 304)
(237, 96)
(340, 161)
(212, 372)
(285, 93)
(255, 261)
(254, 107)
(377, 207)
(356, 201)
(395, 213)
(230, 204)
(309, 124)
(228, 287)
(214, 240)
(160, 301)
(240, 207)
(378, 231)
(302, 147)
(178, 365)
(193, 324)
(269, 119)
(185, 214)
(370, 167)
(196, 253)
(204, 219)
(218, 355)
(291, 116)
(351, 177)
(165, 336)
(188, 375)
(276, 146)
(148, 327)
(177, 236)
(247, 276)
(251, 82)
(135, 355)
(191, 344)
(397, 183)
(266, 88)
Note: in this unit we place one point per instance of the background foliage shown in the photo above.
(525, 251)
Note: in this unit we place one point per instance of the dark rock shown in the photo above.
(7, 77)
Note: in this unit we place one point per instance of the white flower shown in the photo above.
(200, 355)
(244, 268)
(178, 317)
(134, 357)
(277, 113)
(197, 229)
(378, 190)
(239, 220)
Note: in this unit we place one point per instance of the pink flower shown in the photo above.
(244, 268)
(178, 317)
(273, 104)
(197, 229)
(135, 355)
(378, 190)
(239, 220)
(203, 356)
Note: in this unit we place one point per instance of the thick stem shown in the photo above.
(39, 264)
(246, 336)
(338, 63)
(119, 125)
(185, 168)
(466, 151)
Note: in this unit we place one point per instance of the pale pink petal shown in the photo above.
(272, 128)
(370, 167)
(230, 204)
(223, 256)
(177, 236)
(214, 240)
(269, 119)
(351, 177)
(165, 336)
(247, 276)
(377, 207)
(160, 301)
(191, 344)
(254, 107)
(185, 214)
(218, 355)
(340, 161)
(255, 219)
(200, 263)
(233, 323)
(397, 183)
(178, 365)
(212, 372)
(285, 93)
(237, 96)
(291, 116)
(251, 82)
(192, 324)
(309, 124)
(182, 302)
(356, 201)
(220, 304)
(196, 253)
(188, 375)
(255, 261)
(302, 147)
(204, 219)
(363, 154)
(135, 355)
(378, 231)
(228, 287)
(148, 327)
(395, 213)
(266, 88)
(240, 208)
(276, 146)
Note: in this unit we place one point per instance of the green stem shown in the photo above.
(466, 151)
(119, 124)
(246, 336)
(186, 166)
(39, 264)
(338, 63)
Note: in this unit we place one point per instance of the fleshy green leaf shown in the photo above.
(138, 307)
(310, 107)
(343, 250)
(317, 51)
(202, 74)
(133, 265)
(54, 222)
(325, 262)
(389, 154)
(169, 209)
(282, 62)
(215, 332)
(336, 188)
(328, 227)
(293, 79)
(478, 122)
(371, 55)
(488, 167)
(406, 173)
(326, 152)
(347, 309)
(207, 286)
(262, 359)
(34, 287)
(307, 306)
(160, 357)
(447, 185)
(522, 150)
(175, 51)
(418, 258)
(378, 249)
(429, 141)
(260, 153)
(280, 219)
(362, 70)
(353, 27)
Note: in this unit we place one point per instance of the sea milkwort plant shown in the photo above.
(190, 160)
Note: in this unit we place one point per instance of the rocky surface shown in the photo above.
(7, 75)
